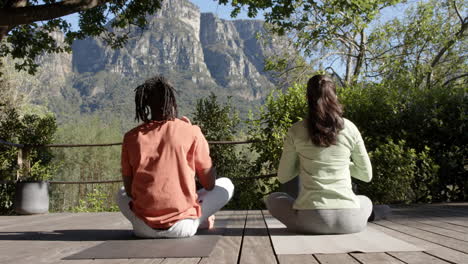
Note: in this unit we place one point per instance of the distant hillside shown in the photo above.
(198, 52)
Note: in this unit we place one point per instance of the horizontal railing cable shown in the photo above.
(117, 181)
(28, 146)
(221, 142)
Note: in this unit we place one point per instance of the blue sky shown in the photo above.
(224, 11)
(212, 6)
(221, 11)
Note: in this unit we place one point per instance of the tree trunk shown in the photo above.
(349, 65)
(360, 57)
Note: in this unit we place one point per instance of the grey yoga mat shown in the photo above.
(370, 240)
(197, 246)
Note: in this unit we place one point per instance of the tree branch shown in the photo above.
(13, 16)
(457, 11)
(336, 75)
(455, 78)
(447, 46)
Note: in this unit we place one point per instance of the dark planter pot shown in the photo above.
(32, 197)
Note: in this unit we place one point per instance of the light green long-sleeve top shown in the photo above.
(325, 172)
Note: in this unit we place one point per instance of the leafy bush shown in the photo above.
(7, 192)
(220, 122)
(85, 164)
(29, 129)
(426, 164)
(425, 118)
(400, 174)
(275, 117)
(98, 200)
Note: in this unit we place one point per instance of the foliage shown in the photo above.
(427, 127)
(96, 201)
(87, 163)
(220, 122)
(433, 118)
(425, 47)
(397, 178)
(30, 38)
(7, 194)
(275, 117)
(30, 130)
(17, 126)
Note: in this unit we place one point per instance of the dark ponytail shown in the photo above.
(325, 113)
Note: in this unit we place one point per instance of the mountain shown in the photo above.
(198, 52)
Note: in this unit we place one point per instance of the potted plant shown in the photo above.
(34, 164)
(32, 188)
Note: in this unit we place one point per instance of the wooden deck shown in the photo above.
(441, 229)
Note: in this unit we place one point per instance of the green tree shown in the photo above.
(424, 48)
(220, 122)
(87, 163)
(322, 29)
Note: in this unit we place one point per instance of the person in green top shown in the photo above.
(323, 151)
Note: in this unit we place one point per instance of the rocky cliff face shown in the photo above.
(204, 49)
(198, 52)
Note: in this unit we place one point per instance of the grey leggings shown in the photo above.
(319, 221)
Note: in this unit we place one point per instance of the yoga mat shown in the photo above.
(370, 240)
(197, 246)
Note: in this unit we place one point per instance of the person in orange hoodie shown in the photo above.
(160, 160)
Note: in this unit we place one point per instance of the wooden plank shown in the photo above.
(455, 244)
(417, 258)
(73, 261)
(42, 243)
(256, 246)
(431, 248)
(441, 224)
(335, 259)
(20, 222)
(125, 261)
(39, 251)
(228, 247)
(461, 209)
(434, 214)
(433, 229)
(375, 258)
(145, 261)
(295, 259)
(181, 261)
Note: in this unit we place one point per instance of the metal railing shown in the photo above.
(24, 163)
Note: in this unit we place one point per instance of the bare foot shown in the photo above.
(208, 223)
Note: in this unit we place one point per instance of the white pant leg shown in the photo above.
(212, 201)
(140, 228)
(183, 228)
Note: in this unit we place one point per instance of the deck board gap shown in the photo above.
(269, 237)
(242, 240)
(356, 259)
(395, 257)
(420, 238)
(435, 256)
(425, 230)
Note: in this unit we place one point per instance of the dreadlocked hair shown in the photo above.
(156, 97)
(325, 117)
